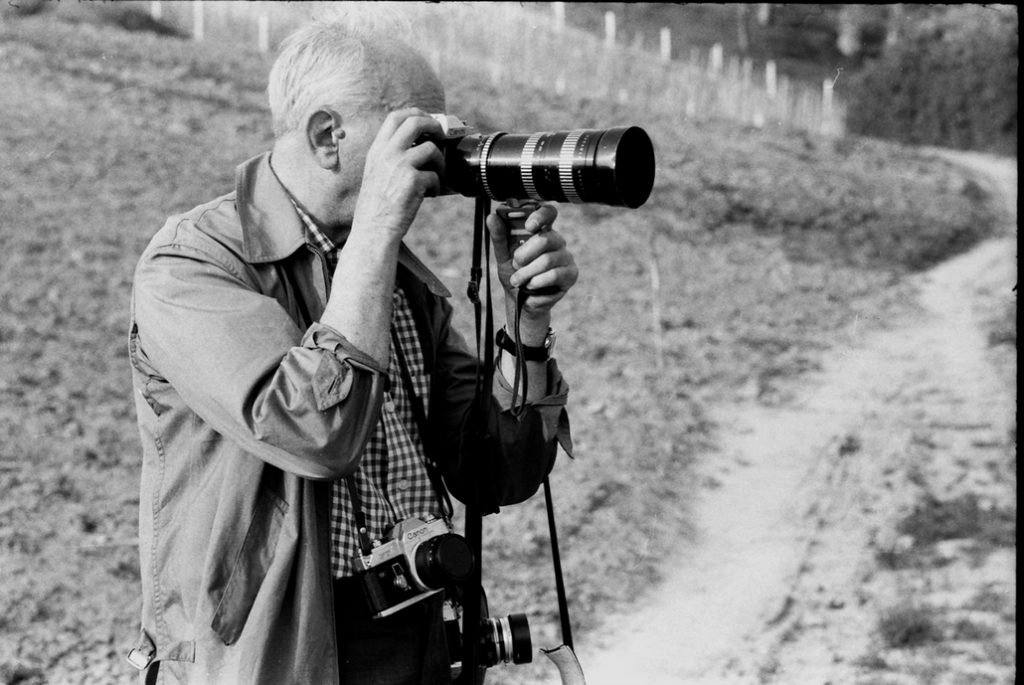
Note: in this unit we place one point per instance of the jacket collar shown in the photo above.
(272, 230)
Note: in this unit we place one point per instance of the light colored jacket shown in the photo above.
(248, 407)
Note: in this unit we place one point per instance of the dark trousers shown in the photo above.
(407, 648)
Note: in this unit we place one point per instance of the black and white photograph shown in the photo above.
(517, 343)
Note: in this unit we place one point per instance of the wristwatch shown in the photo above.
(530, 354)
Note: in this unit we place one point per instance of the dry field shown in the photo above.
(771, 249)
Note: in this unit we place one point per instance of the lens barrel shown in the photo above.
(612, 166)
(507, 640)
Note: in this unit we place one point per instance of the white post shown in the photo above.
(263, 33)
(717, 58)
(156, 10)
(666, 44)
(559, 10)
(771, 79)
(197, 20)
(826, 106)
(609, 29)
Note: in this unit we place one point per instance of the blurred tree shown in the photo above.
(948, 78)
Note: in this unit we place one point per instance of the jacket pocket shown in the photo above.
(250, 567)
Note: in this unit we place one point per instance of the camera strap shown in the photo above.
(420, 418)
(365, 545)
(484, 320)
(556, 559)
(419, 414)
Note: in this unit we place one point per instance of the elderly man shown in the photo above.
(300, 390)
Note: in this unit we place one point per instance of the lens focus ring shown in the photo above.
(565, 161)
(526, 166)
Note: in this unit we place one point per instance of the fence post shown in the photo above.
(263, 32)
(559, 9)
(197, 20)
(609, 29)
(747, 93)
(826, 106)
(156, 10)
(666, 44)
(771, 82)
(717, 58)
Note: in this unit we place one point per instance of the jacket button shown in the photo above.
(403, 484)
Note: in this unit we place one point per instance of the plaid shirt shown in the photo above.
(392, 479)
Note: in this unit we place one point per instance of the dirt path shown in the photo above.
(783, 585)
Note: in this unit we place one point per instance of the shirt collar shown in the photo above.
(314, 235)
(273, 229)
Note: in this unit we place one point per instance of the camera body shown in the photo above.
(417, 558)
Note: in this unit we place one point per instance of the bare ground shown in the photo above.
(806, 567)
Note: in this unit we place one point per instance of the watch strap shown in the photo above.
(530, 354)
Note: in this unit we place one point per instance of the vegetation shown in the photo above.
(771, 248)
(951, 80)
(909, 625)
(919, 74)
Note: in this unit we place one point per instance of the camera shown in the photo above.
(613, 166)
(417, 558)
(501, 640)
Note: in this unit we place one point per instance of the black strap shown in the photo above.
(471, 595)
(419, 414)
(563, 602)
(519, 407)
(365, 544)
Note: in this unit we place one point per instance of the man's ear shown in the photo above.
(323, 131)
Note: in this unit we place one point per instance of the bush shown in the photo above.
(909, 625)
(951, 81)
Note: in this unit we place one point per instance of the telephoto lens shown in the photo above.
(612, 166)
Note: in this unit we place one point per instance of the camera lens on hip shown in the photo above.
(507, 640)
(443, 560)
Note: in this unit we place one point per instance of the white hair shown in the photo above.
(338, 61)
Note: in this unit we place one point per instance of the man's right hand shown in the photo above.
(398, 174)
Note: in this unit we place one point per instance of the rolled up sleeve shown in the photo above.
(551, 407)
(304, 401)
(501, 458)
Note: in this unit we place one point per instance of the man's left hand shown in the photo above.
(543, 261)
